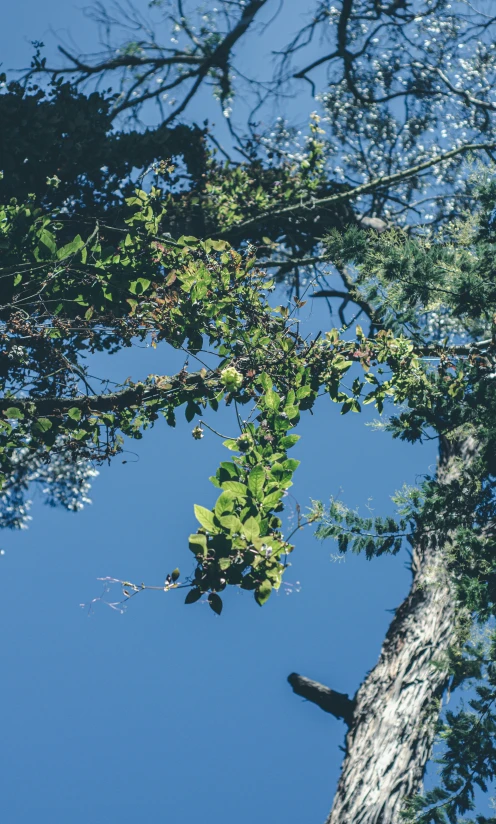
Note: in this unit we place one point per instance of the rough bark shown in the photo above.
(391, 733)
(394, 712)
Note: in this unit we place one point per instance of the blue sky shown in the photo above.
(169, 713)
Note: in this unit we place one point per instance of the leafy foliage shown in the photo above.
(111, 235)
(64, 297)
(455, 398)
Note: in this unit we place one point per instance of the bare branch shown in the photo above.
(204, 58)
(336, 703)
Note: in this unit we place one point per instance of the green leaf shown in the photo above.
(272, 499)
(232, 445)
(206, 518)
(75, 413)
(265, 381)
(215, 602)
(262, 593)
(70, 248)
(351, 405)
(224, 503)
(137, 287)
(251, 528)
(193, 595)
(13, 412)
(80, 434)
(198, 543)
(43, 424)
(342, 365)
(219, 245)
(272, 400)
(231, 523)
(188, 240)
(224, 563)
(191, 410)
(256, 481)
(235, 487)
(303, 392)
(17, 279)
(48, 240)
(291, 412)
(230, 468)
(291, 464)
(288, 441)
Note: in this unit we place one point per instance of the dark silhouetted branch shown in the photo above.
(364, 188)
(337, 703)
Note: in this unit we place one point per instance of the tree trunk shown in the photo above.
(393, 715)
(395, 709)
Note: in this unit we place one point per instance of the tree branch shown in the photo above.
(202, 61)
(137, 394)
(469, 98)
(436, 349)
(336, 703)
(350, 296)
(125, 61)
(364, 188)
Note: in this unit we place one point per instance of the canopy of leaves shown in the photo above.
(112, 233)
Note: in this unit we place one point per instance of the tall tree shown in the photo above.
(379, 188)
